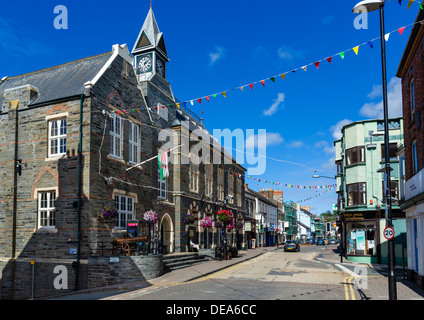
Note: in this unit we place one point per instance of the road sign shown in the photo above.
(389, 233)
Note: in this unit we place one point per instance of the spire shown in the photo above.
(150, 36)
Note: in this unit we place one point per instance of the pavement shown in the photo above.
(371, 284)
(370, 281)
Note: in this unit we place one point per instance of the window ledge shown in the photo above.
(47, 230)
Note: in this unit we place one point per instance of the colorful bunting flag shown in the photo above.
(329, 59)
(342, 54)
(356, 49)
(317, 64)
(401, 30)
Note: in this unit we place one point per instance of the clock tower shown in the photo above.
(150, 56)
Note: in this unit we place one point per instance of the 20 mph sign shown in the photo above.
(389, 233)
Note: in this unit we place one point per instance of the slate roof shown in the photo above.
(61, 81)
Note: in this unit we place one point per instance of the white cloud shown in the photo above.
(325, 146)
(394, 100)
(216, 55)
(267, 139)
(295, 144)
(288, 53)
(336, 129)
(274, 107)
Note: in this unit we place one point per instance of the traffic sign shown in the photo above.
(389, 233)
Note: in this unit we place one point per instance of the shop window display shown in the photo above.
(361, 239)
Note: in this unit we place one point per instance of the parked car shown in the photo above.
(320, 242)
(333, 241)
(291, 245)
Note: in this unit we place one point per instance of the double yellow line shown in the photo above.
(349, 288)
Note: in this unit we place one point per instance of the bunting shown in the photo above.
(283, 75)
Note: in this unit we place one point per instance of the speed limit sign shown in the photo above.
(389, 233)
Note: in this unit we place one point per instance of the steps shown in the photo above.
(182, 260)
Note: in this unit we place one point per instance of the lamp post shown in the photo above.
(317, 176)
(369, 6)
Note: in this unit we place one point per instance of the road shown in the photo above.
(275, 275)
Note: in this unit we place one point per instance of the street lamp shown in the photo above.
(317, 176)
(369, 6)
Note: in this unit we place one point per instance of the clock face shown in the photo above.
(160, 67)
(145, 64)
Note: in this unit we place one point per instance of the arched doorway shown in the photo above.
(208, 234)
(194, 230)
(167, 233)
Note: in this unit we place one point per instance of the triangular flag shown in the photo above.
(329, 59)
(224, 94)
(191, 101)
(200, 100)
(401, 30)
(356, 49)
(272, 79)
(214, 95)
(317, 64)
(386, 36)
(283, 76)
(251, 86)
(178, 105)
(410, 3)
(304, 68)
(342, 54)
(371, 43)
(242, 88)
(207, 98)
(263, 82)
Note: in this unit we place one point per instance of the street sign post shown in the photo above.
(389, 233)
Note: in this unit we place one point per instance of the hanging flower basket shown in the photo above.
(225, 217)
(150, 216)
(239, 225)
(218, 224)
(206, 223)
(231, 225)
(188, 219)
(108, 212)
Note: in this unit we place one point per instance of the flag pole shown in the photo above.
(152, 158)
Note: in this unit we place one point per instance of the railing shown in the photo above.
(108, 248)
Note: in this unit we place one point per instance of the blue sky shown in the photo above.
(219, 45)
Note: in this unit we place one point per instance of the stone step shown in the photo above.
(182, 261)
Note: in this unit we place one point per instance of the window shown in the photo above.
(208, 180)
(161, 187)
(356, 194)
(394, 189)
(339, 165)
(392, 151)
(231, 186)
(194, 176)
(412, 97)
(134, 137)
(116, 137)
(239, 192)
(46, 209)
(125, 207)
(57, 137)
(414, 158)
(355, 155)
(361, 238)
(220, 184)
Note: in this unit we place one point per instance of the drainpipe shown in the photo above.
(77, 271)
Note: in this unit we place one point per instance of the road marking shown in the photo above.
(348, 286)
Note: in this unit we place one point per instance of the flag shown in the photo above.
(163, 165)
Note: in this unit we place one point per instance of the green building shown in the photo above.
(290, 220)
(360, 184)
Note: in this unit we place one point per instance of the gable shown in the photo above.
(143, 41)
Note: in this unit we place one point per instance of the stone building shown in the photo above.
(72, 136)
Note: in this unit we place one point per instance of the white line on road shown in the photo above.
(350, 272)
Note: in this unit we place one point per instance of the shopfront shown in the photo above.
(364, 239)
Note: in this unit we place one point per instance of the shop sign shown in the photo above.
(247, 226)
